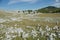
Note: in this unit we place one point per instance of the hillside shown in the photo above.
(49, 9)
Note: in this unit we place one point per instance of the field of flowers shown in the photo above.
(20, 26)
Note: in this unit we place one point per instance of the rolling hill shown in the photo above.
(49, 9)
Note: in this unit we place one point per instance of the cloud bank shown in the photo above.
(57, 0)
(16, 1)
(57, 3)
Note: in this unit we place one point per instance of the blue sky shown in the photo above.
(27, 4)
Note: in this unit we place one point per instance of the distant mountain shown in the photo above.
(49, 9)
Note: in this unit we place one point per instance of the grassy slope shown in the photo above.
(26, 22)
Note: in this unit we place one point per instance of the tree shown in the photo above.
(29, 11)
(23, 11)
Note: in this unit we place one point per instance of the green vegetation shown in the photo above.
(29, 11)
(49, 9)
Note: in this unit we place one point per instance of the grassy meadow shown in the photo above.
(21, 26)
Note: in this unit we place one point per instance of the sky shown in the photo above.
(27, 4)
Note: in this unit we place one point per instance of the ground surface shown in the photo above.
(22, 26)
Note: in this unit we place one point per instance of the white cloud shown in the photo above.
(16, 1)
(57, 3)
(57, 0)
